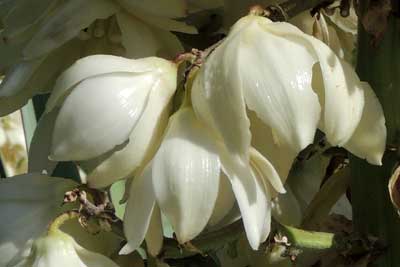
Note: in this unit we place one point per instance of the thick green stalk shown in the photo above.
(372, 210)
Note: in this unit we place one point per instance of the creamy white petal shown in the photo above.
(217, 99)
(143, 40)
(97, 65)
(144, 141)
(254, 204)
(186, 172)
(162, 8)
(99, 114)
(278, 153)
(154, 236)
(138, 211)
(224, 203)
(336, 83)
(69, 18)
(26, 198)
(279, 89)
(39, 149)
(369, 139)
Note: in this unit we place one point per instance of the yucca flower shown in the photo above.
(44, 39)
(271, 86)
(184, 179)
(57, 248)
(107, 104)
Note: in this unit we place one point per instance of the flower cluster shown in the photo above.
(256, 101)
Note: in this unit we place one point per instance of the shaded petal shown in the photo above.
(69, 18)
(279, 90)
(32, 198)
(162, 8)
(143, 40)
(270, 177)
(167, 23)
(217, 82)
(28, 78)
(224, 203)
(279, 154)
(154, 236)
(186, 172)
(138, 211)
(40, 145)
(87, 127)
(369, 138)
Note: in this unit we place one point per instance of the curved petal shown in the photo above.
(162, 8)
(97, 65)
(40, 146)
(32, 198)
(143, 40)
(336, 83)
(99, 114)
(279, 90)
(369, 138)
(224, 203)
(138, 211)
(267, 172)
(186, 172)
(217, 82)
(68, 19)
(154, 236)
(144, 141)
(254, 204)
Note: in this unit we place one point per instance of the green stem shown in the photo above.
(373, 212)
(309, 239)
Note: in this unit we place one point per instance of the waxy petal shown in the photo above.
(86, 127)
(69, 18)
(138, 211)
(369, 138)
(186, 171)
(143, 141)
(280, 90)
(218, 100)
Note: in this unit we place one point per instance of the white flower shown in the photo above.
(292, 83)
(27, 204)
(103, 103)
(59, 249)
(184, 180)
